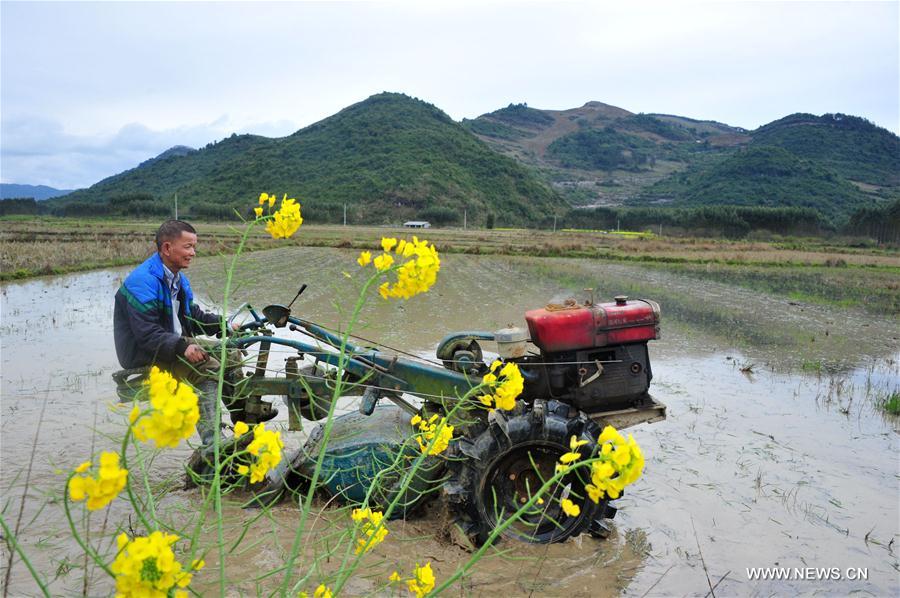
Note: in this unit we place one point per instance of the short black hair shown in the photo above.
(171, 230)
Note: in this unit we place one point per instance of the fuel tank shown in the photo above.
(556, 328)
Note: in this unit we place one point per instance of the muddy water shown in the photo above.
(788, 464)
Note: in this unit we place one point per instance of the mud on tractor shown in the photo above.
(585, 365)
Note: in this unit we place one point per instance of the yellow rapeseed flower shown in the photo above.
(619, 464)
(505, 383)
(611, 435)
(570, 508)
(432, 429)
(286, 220)
(99, 489)
(258, 212)
(240, 429)
(573, 454)
(146, 567)
(569, 458)
(173, 413)
(415, 262)
(265, 449)
(372, 528)
(574, 443)
(422, 581)
(383, 262)
(364, 259)
(322, 591)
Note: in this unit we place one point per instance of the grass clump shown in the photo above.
(812, 366)
(891, 403)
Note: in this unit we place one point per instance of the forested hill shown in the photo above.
(392, 158)
(850, 146)
(762, 176)
(601, 155)
(388, 158)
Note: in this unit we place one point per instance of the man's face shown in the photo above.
(177, 254)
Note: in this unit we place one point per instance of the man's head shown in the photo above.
(176, 241)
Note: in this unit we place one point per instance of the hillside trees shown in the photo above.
(19, 205)
(729, 221)
(850, 146)
(760, 177)
(605, 149)
(881, 223)
(387, 159)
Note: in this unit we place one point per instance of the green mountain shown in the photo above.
(848, 145)
(760, 176)
(601, 149)
(602, 156)
(172, 152)
(388, 159)
(391, 158)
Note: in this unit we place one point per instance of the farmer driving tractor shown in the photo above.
(156, 322)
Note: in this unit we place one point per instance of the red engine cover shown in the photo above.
(565, 328)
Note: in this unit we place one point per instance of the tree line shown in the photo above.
(881, 223)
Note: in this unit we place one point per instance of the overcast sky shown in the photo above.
(91, 89)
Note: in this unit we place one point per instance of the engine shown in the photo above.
(592, 356)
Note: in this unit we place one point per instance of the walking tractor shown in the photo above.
(582, 367)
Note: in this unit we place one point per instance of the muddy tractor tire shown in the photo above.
(199, 469)
(496, 471)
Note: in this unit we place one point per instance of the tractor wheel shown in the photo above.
(200, 470)
(495, 472)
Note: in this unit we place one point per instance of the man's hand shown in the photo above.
(195, 354)
(235, 326)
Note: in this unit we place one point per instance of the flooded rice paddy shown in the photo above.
(774, 453)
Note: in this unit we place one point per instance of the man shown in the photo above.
(155, 320)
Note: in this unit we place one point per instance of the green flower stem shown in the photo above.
(14, 544)
(223, 353)
(214, 497)
(131, 497)
(146, 478)
(342, 361)
(88, 550)
(201, 519)
(345, 570)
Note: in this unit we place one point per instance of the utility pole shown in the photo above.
(345, 214)
(465, 219)
(617, 225)
(554, 223)
(176, 205)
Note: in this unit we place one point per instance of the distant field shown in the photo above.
(813, 269)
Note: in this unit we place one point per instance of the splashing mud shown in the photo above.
(774, 452)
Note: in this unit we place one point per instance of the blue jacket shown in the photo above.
(142, 319)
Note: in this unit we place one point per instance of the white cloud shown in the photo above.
(79, 73)
(39, 151)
